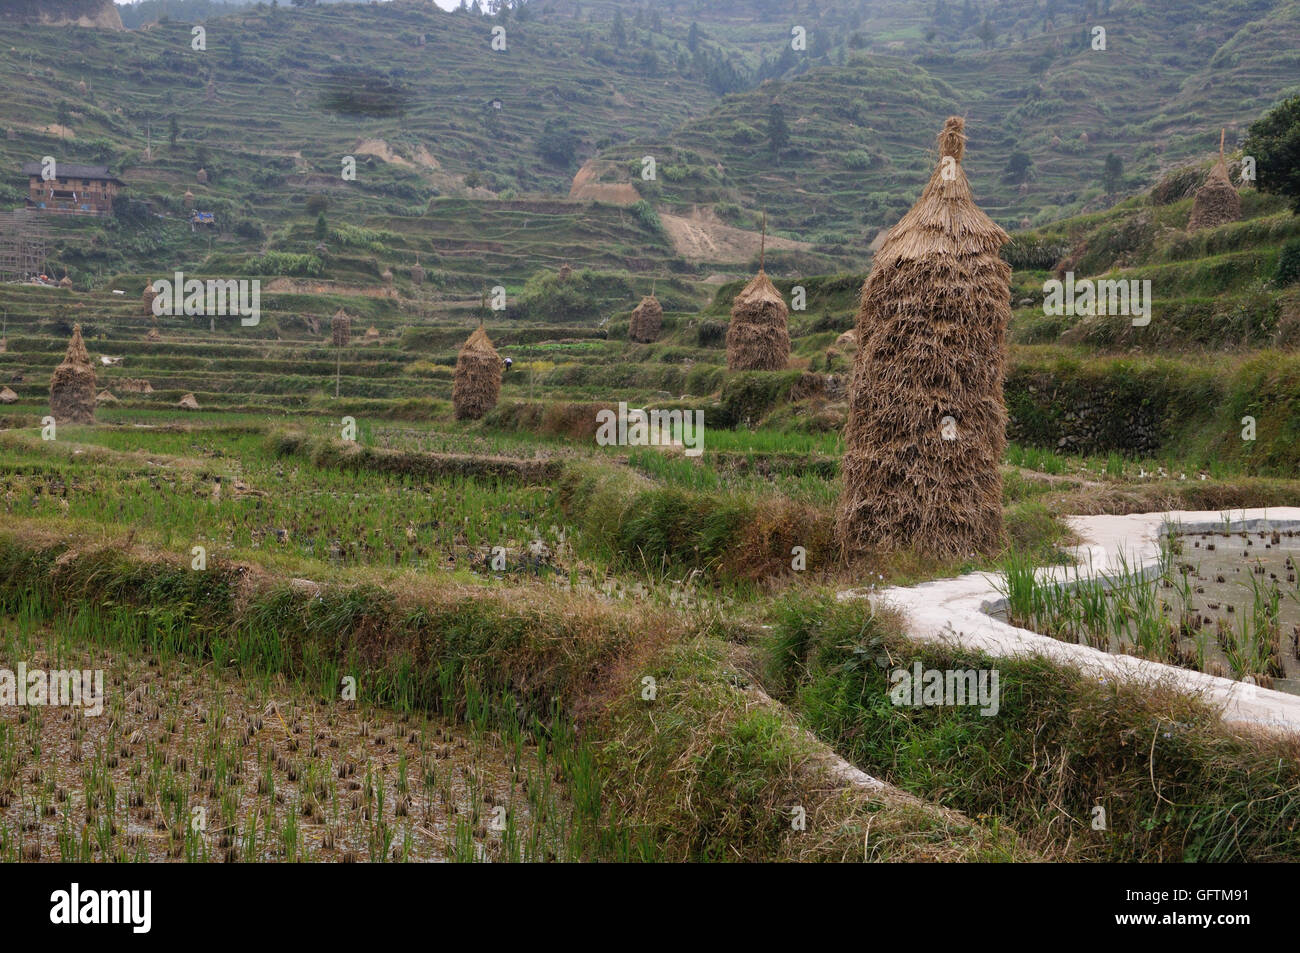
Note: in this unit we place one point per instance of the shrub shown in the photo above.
(1288, 263)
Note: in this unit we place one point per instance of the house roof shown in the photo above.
(71, 170)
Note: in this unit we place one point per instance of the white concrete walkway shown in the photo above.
(956, 610)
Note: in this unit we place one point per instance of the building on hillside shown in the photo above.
(73, 190)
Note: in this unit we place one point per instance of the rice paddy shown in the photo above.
(369, 589)
(1227, 604)
(204, 763)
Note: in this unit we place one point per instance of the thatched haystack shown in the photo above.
(927, 422)
(65, 282)
(340, 329)
(135, 385)
(417, 274)
(647, 321)
(72, 385)
(147, 297)
(105, 397)
(387, 276)
(7, 396)
(201, 176)
(757, 337)
(188, 402)
(839, 356)
(372, 335)
(565, 272)
(4, 345)
(153, 335)
(477, 383)
(1216, 202)
(188, 199)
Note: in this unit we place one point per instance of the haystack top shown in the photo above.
(1218, 173)
(945, 222)
(478, 341)
(952, 141)
(77, 353)
(759, 290)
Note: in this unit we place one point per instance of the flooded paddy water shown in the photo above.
(187, 762)
(1220, 602)
(1243, 582)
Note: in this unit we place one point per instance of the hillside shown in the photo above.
(436, 119)
(449, 554)
(856, 144)
(96, 13)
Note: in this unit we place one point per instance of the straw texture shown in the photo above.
(1216, 202)
(477, 383)
(757, 338)
(647, 321)
(931, 335)
(340, 329)
(72, 386)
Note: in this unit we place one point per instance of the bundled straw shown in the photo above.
(72, 386)
(341, 329)
(417, 274)
(757, 338)
(647, 320)
(1216, 202)
(147, 298)
(477, 383)
(7, 396)
(188, 402)
(931, 345)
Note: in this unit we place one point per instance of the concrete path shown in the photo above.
(957, 610)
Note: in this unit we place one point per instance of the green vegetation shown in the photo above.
(1215, 796)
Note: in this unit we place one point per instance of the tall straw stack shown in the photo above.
(927, 421)
(647, 320)
(147, 298)
(757, 338)
(72, 386)
(1216, 201)
(340, 328)
(477, 383)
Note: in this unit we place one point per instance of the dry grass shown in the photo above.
(477, 383)
(932, 353)
(757, 338)
(647, 321)
(340, 329)
(1217, 202)
(72, 386)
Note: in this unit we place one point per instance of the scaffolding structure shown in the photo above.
(24, 244)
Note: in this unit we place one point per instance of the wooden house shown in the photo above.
(74, 189)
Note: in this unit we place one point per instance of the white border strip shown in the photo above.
(956, 610)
